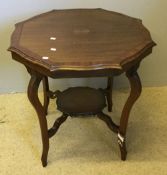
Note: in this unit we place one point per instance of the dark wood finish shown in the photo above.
(33, 97)
(45, 93)
(85, 39)
(109, 93)
(135, 92)
(81, 101)
(88, 43)
(52, 131)
(112, 126)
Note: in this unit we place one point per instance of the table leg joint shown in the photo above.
(52, 94)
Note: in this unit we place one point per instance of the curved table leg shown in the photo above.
(33, 97)
(45, 92)
(134, 94)
(109, 93)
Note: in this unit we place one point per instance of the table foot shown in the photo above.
(33, 97)
(135, 92)
(123, 153)
(44, 160)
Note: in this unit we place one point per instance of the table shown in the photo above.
(81, 43)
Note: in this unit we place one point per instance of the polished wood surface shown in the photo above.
(109, 93)
(135, 92)
(45, 90)
(81, 39)
(33, 98)
(81, 43)
(81, 101)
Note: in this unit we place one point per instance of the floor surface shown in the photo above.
(85, 146)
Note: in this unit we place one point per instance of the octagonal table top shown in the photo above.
(80, 39)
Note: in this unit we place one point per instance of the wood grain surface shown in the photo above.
(80, 39)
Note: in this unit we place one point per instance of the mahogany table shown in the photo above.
(81, 43)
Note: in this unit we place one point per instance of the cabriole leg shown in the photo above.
(134, 94)
(33, 97)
